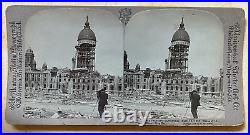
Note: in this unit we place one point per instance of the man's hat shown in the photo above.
(102, 90)
(195, 91)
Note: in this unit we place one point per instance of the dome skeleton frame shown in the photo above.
(85, 50)
(178, 51)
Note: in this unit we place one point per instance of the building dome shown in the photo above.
(29, 50)
(86, 33)
(181, 34)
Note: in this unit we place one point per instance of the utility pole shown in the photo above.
(125, 15)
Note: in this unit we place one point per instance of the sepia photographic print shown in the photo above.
(125, 66)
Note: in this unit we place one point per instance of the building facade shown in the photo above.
(175, 81)
(80, 82)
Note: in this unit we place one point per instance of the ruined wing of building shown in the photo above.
(175, 81)
(80, 82)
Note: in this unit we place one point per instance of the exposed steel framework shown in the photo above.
(178, 51)
(85, 50)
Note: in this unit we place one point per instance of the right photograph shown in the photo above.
(173, 64)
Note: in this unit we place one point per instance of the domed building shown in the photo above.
(84, 59)
(178, 81)
(30, 59)
(178, 51)
(181, 34)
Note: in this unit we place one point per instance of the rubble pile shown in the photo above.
(160, 106)
(211, 103)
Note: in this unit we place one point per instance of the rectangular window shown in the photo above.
(205, 89)
(212, 89)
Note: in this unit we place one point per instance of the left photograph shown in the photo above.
(70, 71)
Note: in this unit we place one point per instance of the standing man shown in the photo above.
(195, 102)
(102, 100)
